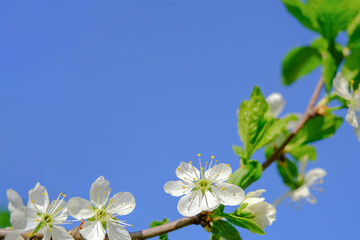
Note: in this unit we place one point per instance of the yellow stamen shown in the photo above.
(190, 162)
(43, 194)
(183, 187)
(178, 168)
(199, 154)
(212, 157)
(223, 189)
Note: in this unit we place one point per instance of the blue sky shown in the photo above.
(128, 89)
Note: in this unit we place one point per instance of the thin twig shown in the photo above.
(309, 113)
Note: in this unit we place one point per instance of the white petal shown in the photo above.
(357, 132)
(190, 204)
(267, 215)
(122, 203)
(210, 201)
(219, 173)
(357, 100)
(301, 192)
(59, 233)
(313, 175)
(15, 200)
(100, 192)
(229, 194)
(47, 233)
(187, 171)
(80, 208)
(341, 86)
(351, 117)
(178, 188)
(39, 197)
(117, 232)
(58, 210)
(13, 236)
(276, 103)
(93, 230)
(24, 218)
(255, 194)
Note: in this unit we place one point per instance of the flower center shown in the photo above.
(47, 218)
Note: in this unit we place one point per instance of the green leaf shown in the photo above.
(301, 151)
(238, 151)
(317, 128)
(225, 230)
(244, 223)
(354, 33)
(252, 121)
(288, 172)
(299, 62)
(351, 68)
(247, 174)
(329, 69)
(4, 219)
(159, 223)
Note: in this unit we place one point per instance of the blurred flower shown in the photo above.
(341, 87)
(255, 208)
(39, 215)
(276, 103)
(101, 213)
(204, 190)
(14, 236)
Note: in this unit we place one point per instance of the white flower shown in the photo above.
(100, 212)
(261, 212)
(312, 178)
(39, 215)
(341, 87)
(276, 103)
(14, 236)
(205, 190)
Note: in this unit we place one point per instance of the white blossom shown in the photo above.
(261, 212)
(39, 215)
(276, 103)
(310, 180)
(101, 213)
(204, 190)
(14, 236)
(341, 87)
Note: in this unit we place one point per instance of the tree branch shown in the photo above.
(309, 113)
(198, 219)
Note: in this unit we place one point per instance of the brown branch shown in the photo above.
(309, 113)
(198, 219)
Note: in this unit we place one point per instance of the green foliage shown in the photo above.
(257, 126)
(329, 68)
(301, 151)
(223, 229)
(353, 31)
(238, 151)
(159, 223)
(299, 62)
(244, 223)
(247, 174)
(315, 129)
(289, 173)
(351, 68)
(4, 219)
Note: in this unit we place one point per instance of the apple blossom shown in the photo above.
(204, 190)
(101, 214)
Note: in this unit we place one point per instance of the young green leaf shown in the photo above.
(238, 151)
(225, 230)
(288, 172)
(351, 68)
(4, 219)
(159, 223)
(244, 223)
(300, 151)
(247, 174)
(299, 62)
(353, 31)
(329, 69)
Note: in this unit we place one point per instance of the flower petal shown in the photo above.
(313, 175)
(178, 188)
(59, 233)
(351, 117)
(229, 194)
(276, 103)
(357, 132)
(209, 201)
(47, 233)
(15, 201)
(121, 203)
(219, 173)
(80, 208)
(24, 218)
(266, 216)
(187, 172)
(93, 230)
(99, 192)
(301, 192)
(39, 197)
(117, 232)
(190, 204)
(58, 210)
(13, 236)
(255, 194)
(341, 86)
